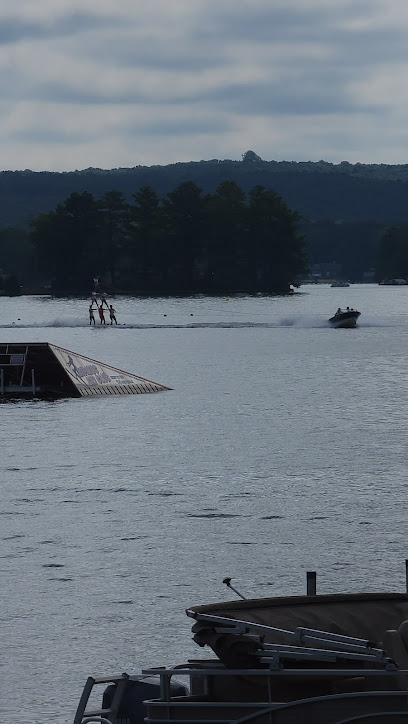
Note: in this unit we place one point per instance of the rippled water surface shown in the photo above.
(281, 448)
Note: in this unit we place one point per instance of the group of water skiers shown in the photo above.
(101, 311)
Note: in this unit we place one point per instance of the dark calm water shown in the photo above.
(281, 448)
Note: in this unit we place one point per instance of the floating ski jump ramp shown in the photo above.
(41, 369)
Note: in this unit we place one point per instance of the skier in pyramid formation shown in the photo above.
(112, 315)
(91, 315)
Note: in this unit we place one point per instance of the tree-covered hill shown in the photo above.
(317, 190)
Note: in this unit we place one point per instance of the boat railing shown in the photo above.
(201, 707)
(378, 704)
(102, 716)
(194, 671)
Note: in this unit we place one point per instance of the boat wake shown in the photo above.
(298, 322)
(77, 323)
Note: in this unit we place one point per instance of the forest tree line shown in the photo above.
(317, 190)
(189, 242)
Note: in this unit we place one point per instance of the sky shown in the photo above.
(124, 83)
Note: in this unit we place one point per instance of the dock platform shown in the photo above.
(42, 369)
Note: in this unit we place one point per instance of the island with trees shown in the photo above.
(185, 243)
(201, 227)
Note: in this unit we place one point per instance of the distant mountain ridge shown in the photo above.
(318, 190)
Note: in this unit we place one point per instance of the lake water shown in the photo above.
(281, 448)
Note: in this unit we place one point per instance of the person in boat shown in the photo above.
(101, 315)
(112, 314)
(338, 311)
(91, 315)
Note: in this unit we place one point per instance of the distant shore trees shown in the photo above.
(184, 243)
(392, 260)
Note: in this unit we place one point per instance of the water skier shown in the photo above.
(101, 315)
(112, 314)
(91, 315)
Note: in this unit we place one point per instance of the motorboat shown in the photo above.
(345, 318)
(326, 659)
(393, 282)
(340, 284)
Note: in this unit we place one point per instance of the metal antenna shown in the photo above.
(227, 582)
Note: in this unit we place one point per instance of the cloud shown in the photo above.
(16, 30)
(187, 127)
(50, 136)
(302, 78)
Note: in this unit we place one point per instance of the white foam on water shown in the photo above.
(307, 321)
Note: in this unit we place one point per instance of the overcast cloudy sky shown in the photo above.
(120, 83)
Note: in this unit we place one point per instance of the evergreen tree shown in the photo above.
(147, 249)
(393, 254)
(68, 241)
(276, 255)
(225, 237)
(114, 212)
(183, 215)
(11, 285)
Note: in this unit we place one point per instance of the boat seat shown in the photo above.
(403, 631)
(396, 645)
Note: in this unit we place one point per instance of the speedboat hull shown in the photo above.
(347, 319)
